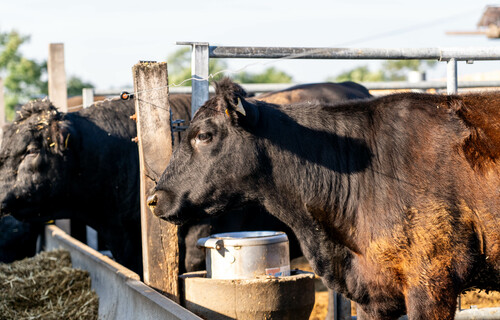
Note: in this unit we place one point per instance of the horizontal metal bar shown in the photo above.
(427, 85)
(441, 54)
(189, 43)
(268, 87)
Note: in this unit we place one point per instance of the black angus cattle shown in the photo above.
(253, 216)
(394, 200)
(84, 166)
(79, 165)
(91, 184)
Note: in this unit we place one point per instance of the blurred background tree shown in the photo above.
(269, 75)
(391, 70)
(23, 78)
(75, 86)
(359, 74)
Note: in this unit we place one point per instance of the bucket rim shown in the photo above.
(248, 238)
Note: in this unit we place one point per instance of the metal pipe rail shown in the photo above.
(202, 52)
(269, 87)
(440, 54)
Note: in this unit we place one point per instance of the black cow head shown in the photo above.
(32, 158)
(211, 171)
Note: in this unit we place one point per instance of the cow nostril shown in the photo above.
(152, 200)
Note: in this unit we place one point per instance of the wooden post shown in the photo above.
(58, 94)
(87, 97)
(160, 245)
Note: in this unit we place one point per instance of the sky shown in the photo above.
(104, 39)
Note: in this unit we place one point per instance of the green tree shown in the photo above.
(75, 86)
(391, 70)
(269, 75)
(396, 70)
(179, 69)
(22, 76)
(359, 74)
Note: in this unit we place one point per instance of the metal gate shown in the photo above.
(202, 52)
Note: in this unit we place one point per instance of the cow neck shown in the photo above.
(318, 162)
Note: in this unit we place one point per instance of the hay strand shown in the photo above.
(46, 287)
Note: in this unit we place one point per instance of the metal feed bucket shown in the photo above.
(246, 255)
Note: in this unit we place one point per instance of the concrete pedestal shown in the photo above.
(263, 298)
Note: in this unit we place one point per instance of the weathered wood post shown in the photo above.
(58, 93)
(159, 238)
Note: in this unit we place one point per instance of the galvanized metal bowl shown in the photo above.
(246, 255)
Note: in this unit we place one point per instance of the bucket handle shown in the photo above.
(217, 244)
(208, 242)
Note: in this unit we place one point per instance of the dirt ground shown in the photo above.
(477, 298)
(473, 298)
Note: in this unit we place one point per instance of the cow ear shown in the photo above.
(247, 113)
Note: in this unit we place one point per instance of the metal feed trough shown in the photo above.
(121, 293)
(202, 52)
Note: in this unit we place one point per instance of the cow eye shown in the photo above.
(32, 150)
(204, 137)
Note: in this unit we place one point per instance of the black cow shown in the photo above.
(75, 165)
(17, 238)
(394, 200)
(84, 166)
(80, 165)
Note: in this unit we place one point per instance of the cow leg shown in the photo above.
(376, 311)
(422, 304)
